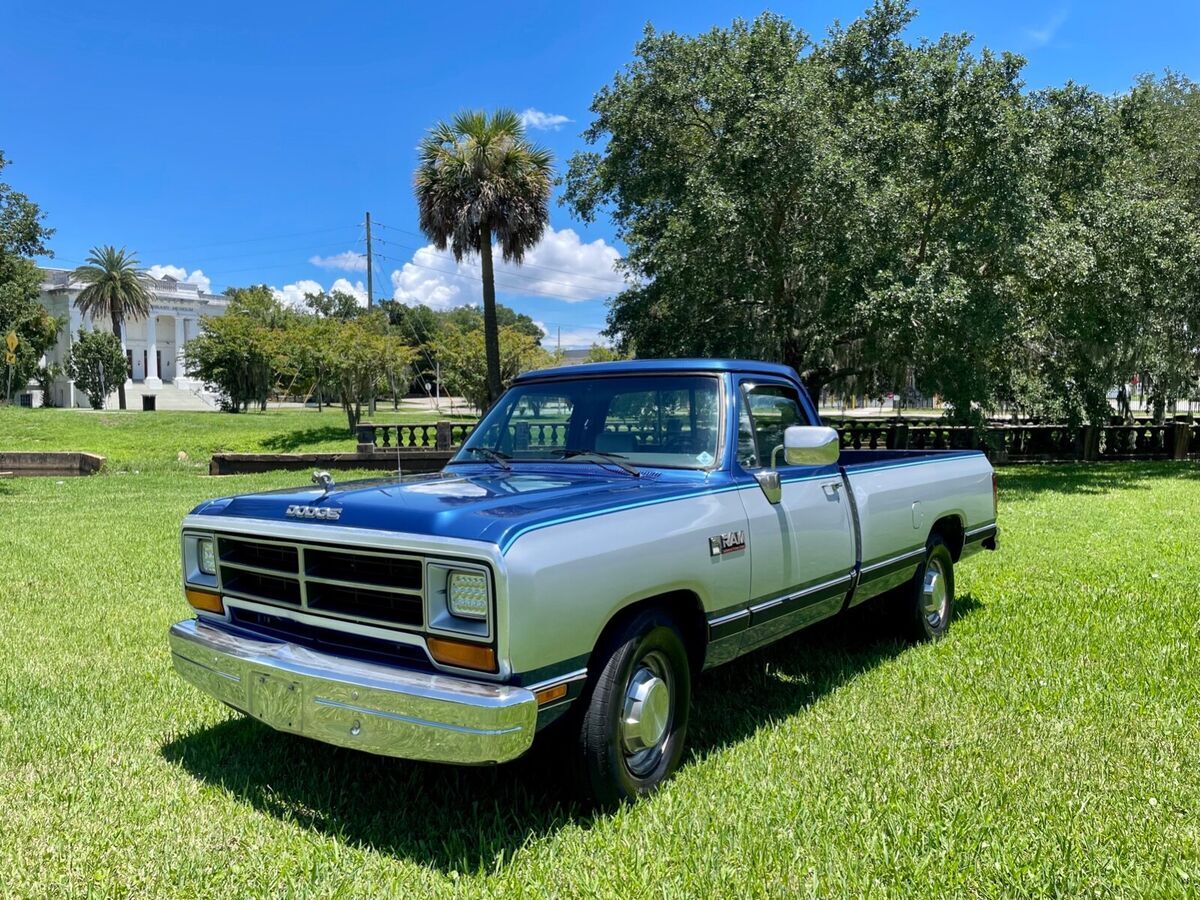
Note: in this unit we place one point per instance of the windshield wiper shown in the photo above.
(615, 459)
(491, 455)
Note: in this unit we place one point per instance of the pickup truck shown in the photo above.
(604, 534)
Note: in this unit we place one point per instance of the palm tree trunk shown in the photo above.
(491, 333)
(119, 332)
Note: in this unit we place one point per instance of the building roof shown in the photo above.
(167, 288)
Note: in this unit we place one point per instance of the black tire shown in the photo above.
(928, 608)
(610, 773)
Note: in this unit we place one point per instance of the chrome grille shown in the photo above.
(342, 582)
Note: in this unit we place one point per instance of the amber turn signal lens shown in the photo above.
(204, 600)
(462, 654)
(550, 694)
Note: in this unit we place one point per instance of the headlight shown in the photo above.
(207, 556)
(467, 594)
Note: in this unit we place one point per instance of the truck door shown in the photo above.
(802, 551)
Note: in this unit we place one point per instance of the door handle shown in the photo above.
(831, 488)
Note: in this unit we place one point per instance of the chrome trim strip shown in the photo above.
(912, 554)
(730, 617)
(577, 675)
(796, 595)
(376, 708)
(982, 528)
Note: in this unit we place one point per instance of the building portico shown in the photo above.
(154, 346)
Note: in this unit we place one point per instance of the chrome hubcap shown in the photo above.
(646, 718)
(935, 595)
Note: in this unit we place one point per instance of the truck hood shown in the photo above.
(479, 504)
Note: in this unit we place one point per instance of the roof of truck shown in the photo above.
(639, 366)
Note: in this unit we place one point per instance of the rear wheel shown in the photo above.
(633, 728)
(929, 603)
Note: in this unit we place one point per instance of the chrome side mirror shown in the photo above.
(811, 445)
(772, 487)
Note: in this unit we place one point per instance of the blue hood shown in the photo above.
(480, 503)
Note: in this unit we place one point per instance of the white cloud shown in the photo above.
(560, 267)
(542, 121)
(179, 273)
(429, 279)
(1040, 37)
(359, 291)
(563, 266)
(347, 261)
(293, 294)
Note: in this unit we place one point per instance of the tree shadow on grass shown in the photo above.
(1026, 482)
(475, 819)
(291, 441)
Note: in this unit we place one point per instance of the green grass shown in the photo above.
(1050, 745)
(151, 442)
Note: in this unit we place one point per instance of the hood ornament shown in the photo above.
(323, 480)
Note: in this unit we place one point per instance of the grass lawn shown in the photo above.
(1050, 745)
(150, 442)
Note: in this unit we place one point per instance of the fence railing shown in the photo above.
(430, 436)
(1003, 442)
(1029, 441)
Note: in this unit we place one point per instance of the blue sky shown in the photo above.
(246, 141)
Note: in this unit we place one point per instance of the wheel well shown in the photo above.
(683, 606)
(951, 530)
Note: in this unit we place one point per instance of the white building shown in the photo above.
(153, 346)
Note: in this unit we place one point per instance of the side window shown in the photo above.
(765, 412)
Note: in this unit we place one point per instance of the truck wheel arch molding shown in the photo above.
(450, 617)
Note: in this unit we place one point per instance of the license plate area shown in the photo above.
(279, 702)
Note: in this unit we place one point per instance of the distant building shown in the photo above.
(153, 346)
(574, 357)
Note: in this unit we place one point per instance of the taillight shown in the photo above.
(995, 495)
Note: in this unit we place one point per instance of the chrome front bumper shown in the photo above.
(376, 708)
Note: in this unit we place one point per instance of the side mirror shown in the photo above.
(811, 445)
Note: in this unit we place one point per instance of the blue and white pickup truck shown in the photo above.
(607, 532)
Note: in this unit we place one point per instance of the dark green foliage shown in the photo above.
(22, 235)
(96, 364)
(870, 209)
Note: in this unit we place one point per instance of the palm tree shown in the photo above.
(480, 180)
(116, 288)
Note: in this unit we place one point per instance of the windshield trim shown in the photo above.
(722, 411)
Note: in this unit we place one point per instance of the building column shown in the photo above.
(152, 379)
(180, 340)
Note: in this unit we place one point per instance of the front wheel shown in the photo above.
(635, 722)
(931, 594)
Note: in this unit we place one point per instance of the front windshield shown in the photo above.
(668, 421)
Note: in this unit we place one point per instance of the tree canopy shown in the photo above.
(22, 234)
(871, 210)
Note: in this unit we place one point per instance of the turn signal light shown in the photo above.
(550, 694)
(204, 600)
(462, 654)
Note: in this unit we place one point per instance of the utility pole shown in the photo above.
(370, 268)
(559, 348)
